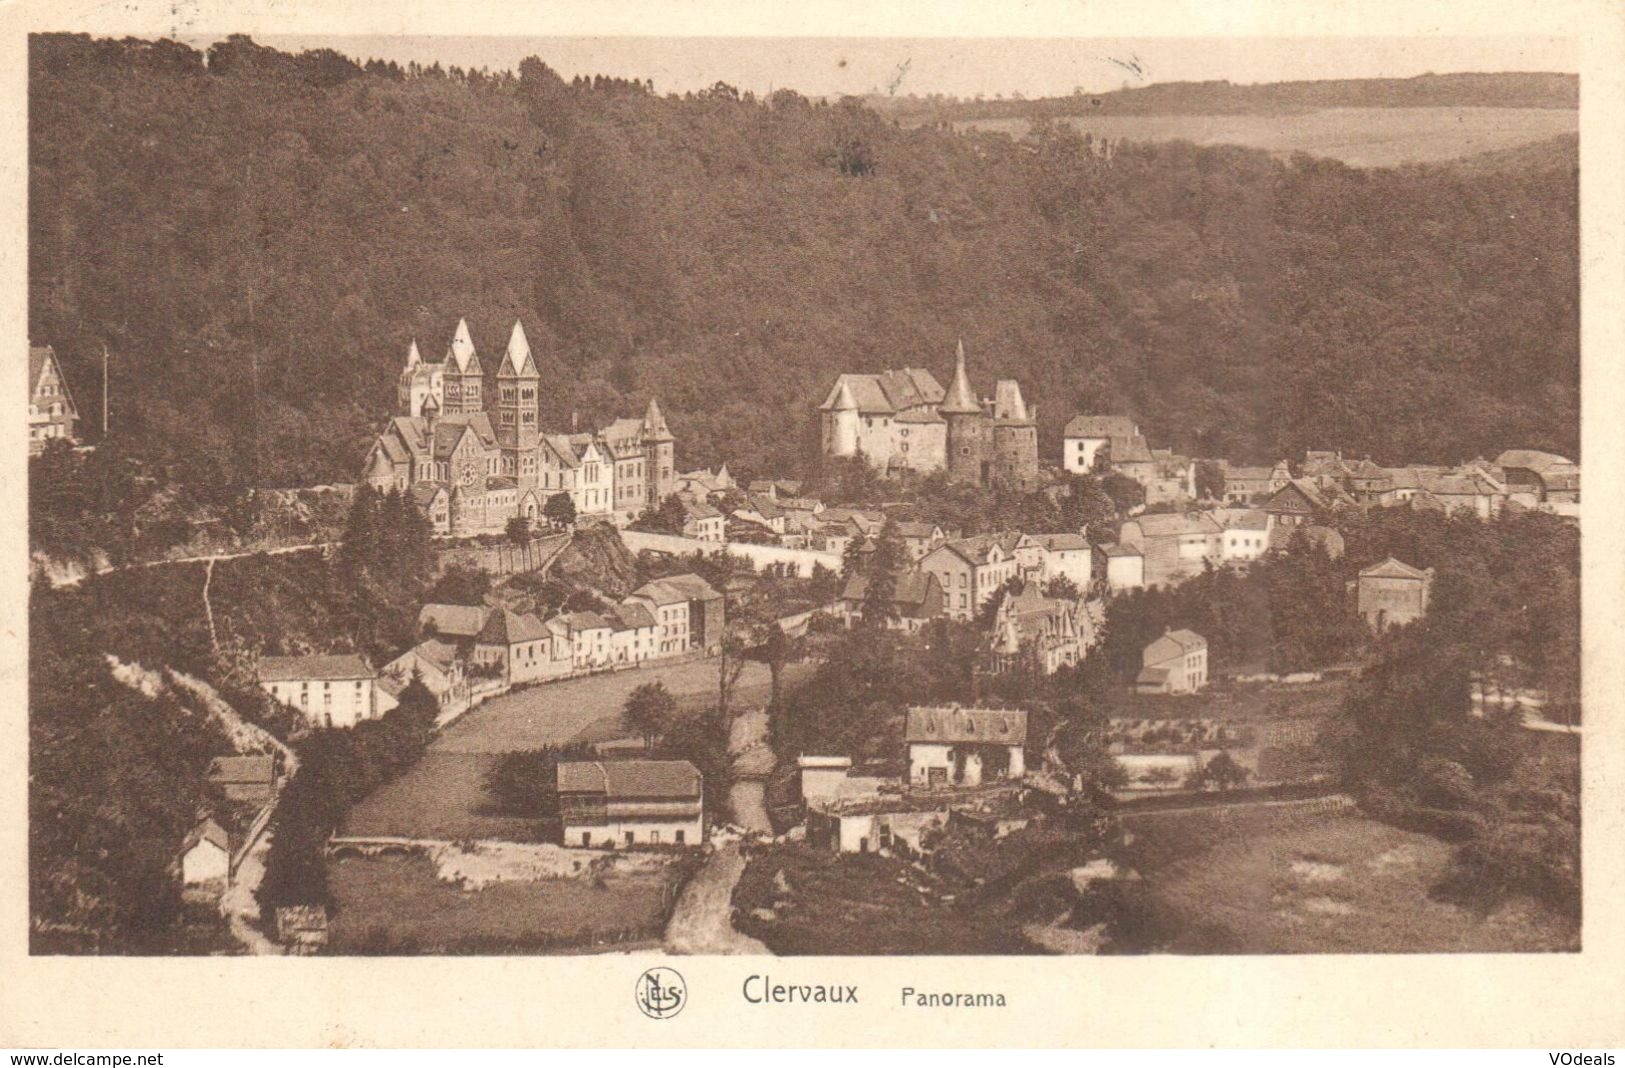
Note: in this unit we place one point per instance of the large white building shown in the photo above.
(330, 691)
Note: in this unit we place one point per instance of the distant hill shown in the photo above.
(1499, 90)
(258, 239)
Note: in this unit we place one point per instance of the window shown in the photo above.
(586, 838)
(654, 837)
(629, 838)
(679, 836)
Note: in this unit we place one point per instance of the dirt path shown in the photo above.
(702, 922)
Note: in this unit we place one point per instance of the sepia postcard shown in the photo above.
(965, 525)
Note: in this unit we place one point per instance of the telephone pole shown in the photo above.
(104, 389)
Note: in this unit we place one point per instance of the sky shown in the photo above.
(831, 66)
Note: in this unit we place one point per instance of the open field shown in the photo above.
(396, 905)
(442, 795)
(1337, 883)
(1360, 137)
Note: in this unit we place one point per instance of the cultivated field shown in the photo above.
(397, 905)
(1336, 883)
(1361, 137)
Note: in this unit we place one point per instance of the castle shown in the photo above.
(905, 421)
(470, 450)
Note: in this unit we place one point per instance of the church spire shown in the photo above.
(654, 423)
(517, 362)
(413, 357)
(462, 346)
(961, 399)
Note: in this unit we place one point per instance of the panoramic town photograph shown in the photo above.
(499, 496)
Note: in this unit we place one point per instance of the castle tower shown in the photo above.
(518, 393)
(661, 475)
(841, 423)
(1015, 438)
(418, 381)
(464, 391)
(968, 438)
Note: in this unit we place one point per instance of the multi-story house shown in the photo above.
(970, 570)
(51, 412)
(1175, 545)
(329, 691)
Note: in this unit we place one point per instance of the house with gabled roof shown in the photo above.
(970, 570)
(515, 645)
(916, 599)
(1174, 663)
(1391, 592)
(954, 746)
(329, 691)
(52, 415)
(1048, 633)
(1086, 435)
(205, 858)
(1175, 545)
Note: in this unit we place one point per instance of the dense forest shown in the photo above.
(257, 237)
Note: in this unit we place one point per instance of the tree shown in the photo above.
(519, 533)
(560, 510)
(650, 710)
(1209, 480)
(1062, 588)
(669, 518)
(886, 564)
(1222, 771)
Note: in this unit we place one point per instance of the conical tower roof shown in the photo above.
(462, 347)
(961, 399)
(844, 401)
(517, 361)
(654, 423)
(413, 356)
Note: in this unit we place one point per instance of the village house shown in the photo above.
(702, 485)
(635, 636)
(763, 512)
(970, 570)
(1248, 485)
(1300, 503)
(1047, 633)
(1476, 493)
(249, 779)
(52, 415)
(916, 598)
(1533, 477)
(590, 640)
(1068, 556)
(437, 663)
(1120, 567)
(1086, 435)
(457, 624)
(515, 645)
(329, 691)
(1173, 480)
(1246, 534)
(919, 538)
(889, 825)
(1174, 663)
(1391, 593)
(953, 746)
(205, 860)
(618, 804)
(1175, 545)
(668, 606)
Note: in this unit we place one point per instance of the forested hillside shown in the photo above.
(258, 238)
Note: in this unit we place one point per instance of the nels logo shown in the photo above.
(661, 993)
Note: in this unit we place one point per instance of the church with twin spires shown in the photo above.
(469, 448)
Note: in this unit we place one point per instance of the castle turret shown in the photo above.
(841, 422)
(518, 387)
(464, 391)
(968, 438)
(1015, 438)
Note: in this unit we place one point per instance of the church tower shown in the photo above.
(660, 474)
(464, 391)
(967, 428)
(418, 382)
(518, 399)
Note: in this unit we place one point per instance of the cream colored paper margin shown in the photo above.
(583, 1001)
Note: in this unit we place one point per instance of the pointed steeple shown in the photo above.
(961, 400)
(517, 362)
(462, 346)
(654, 423)
(413, 357)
